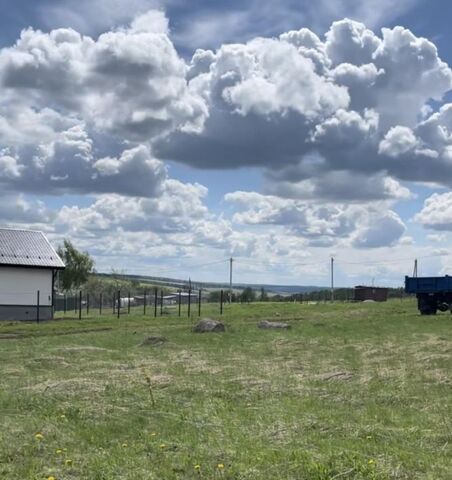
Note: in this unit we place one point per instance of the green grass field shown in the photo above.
(358, 391)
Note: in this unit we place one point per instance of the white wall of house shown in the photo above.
(19, 286)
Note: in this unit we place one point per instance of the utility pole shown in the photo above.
(415, 268)
(332, 279)
(230, 279)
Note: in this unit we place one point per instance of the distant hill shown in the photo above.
(177, 283)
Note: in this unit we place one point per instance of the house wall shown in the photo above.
(19, 286)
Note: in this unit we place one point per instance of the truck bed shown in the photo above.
(428, 284)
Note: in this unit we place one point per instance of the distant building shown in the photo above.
(28, 265)
(173, 298)
(377, 294)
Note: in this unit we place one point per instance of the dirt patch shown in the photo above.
(69, 386)
(153, 341)
(19, 336)
(82, 348)
(334, 376)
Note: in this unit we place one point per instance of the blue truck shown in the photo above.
(432, 293)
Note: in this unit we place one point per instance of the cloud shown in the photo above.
(129, 81)
(437, 212)
(16, 210)
(9, 167)
(341, 185)
(77, 114)
(321, 225)
(213, 26)
(174, 211)
(356, 103)
(382, 230)
(68, 164)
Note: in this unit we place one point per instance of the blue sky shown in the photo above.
(162, 135)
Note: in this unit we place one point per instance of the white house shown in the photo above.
(28, 268)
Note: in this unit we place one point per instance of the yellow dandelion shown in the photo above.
(58, 451)
(197, 467)
(68, 462)
(371, 462)
(39, 436)
(162, 445)
(51, 477)
(220, 466)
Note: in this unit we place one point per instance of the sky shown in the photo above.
(164, 137)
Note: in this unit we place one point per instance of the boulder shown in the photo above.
(209, 325)
(154, 340)
(269, 325)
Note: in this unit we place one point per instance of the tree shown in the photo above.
(263, 297)
(248, 295)
(78, 265)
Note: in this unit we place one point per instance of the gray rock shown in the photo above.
(269, 325)
(154, 340)
(209, 325)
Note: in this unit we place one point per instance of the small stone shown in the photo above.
(269, 325)
(154, 340)
(208, 325)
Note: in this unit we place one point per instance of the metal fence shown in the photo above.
(153, 303)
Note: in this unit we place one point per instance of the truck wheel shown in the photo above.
(443, 307)
(427, 309)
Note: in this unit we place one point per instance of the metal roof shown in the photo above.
(27, 248)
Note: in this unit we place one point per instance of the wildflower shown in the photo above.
(68, 462)
(220, 466)
(153, 434)
(63, 416)
(58, 451)
(124, 445)
(162, 445)
(371, 462)
(369, 437)
(197, 467)
(39, 436)
(51, 477)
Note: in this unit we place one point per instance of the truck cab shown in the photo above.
(432, 293)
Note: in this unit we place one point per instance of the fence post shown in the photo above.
(221, 302)
(155, 302)
(100, 303)
(119, 303)
(199, 303)
(80, 305)
(161, 302)
(87, 303)
(128, 304)
(144, 303)
(65, 304)
(114, 303)
(189, 301)
(180, 300)
(37, 307)
(75, 303)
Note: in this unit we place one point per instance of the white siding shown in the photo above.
(19, 286)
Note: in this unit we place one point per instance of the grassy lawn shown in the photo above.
(357, 391)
